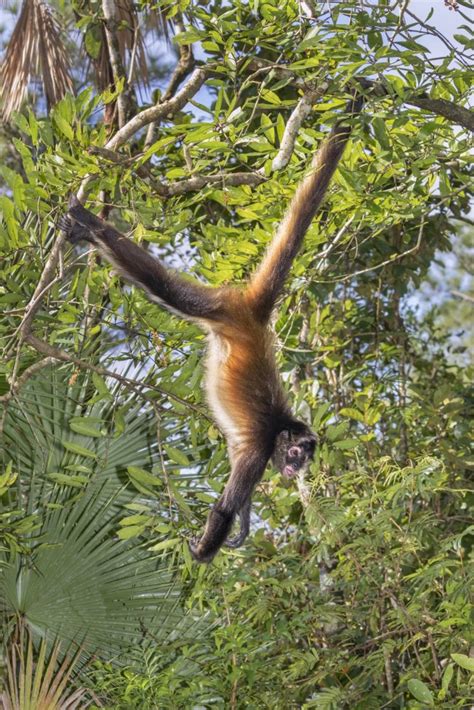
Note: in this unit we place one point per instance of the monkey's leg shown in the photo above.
(75, 232)
(169, 289)
(218, 526)
(244, 517)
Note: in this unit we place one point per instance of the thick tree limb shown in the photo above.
(197, 182)
(299, 113)
(180, 187)
(447, 109)
(161, 110)
(441, 107)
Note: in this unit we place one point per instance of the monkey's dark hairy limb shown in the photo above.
(244, 520)
(178, 294)
(236, 499)
(243, 386)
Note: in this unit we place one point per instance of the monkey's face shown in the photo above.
(293, 452)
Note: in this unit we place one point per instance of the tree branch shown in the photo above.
(110, 25)
(43, 284)
(463, 296)
(447, 109)
(161, 110)
(197, 182)
(299, 113)
(61, 355)
(441, 107)
(184, 66)
(15, 386)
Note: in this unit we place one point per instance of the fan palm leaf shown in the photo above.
(75, 580)
(57, 433)
(35, 681)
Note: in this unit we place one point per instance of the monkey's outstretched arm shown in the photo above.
(236, 499)
(268, 280)
(185, 297)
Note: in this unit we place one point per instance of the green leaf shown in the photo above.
(139, 475)
(464, 661)
(381, 132)
(77, 449)
(66, 480)
(63, 126)
(420, 691)
(130, 531)
(352, 413)
(86, 426)
(346, 444)
(447, 676)
(271, 97)
(176, 455)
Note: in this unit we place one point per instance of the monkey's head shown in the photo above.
(294, 449)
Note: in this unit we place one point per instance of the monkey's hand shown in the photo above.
(198, 551)
(237, 540)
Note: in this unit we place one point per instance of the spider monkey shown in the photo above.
(243, 387)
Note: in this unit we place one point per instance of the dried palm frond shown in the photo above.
(131, 46)
(35, 49)
(156, 19)
(35, 680)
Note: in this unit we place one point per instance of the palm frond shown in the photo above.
(40, 442)
(35, 49)
(81, 585)
(75, 581)
(131, 47)
(37, 680)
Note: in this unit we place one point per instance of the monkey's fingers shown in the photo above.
(197, 551)
(237, 540)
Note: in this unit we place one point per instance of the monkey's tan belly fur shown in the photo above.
(242, 383)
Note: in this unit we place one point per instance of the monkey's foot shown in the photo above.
(75, 232)
(64, 223)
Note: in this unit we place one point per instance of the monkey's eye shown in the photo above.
(293, 451)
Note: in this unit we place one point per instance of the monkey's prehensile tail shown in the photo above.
(268, 280)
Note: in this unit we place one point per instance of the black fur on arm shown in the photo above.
(235, 500)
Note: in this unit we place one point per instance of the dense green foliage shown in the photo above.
(353, 592)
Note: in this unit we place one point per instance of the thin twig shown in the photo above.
(43, 285)
(59, 354)
(184, 66)
(322, 255)
(395, 257)
(464, 296)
